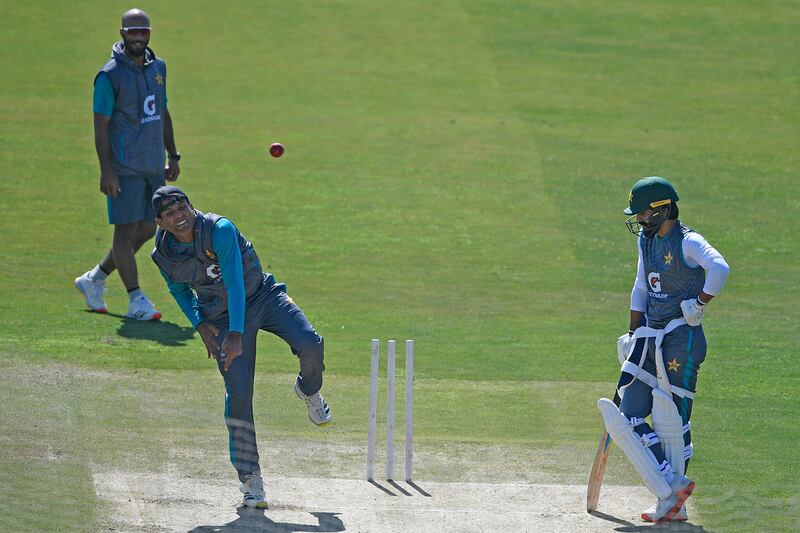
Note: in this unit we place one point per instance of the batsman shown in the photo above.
(678, 274)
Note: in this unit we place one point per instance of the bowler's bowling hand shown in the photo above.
(231, 348)
(208, 332)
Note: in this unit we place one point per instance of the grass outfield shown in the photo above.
(454, 173)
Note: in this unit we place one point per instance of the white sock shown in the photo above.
(97, 274)
(134, 294)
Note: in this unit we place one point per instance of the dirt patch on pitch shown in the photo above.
(172, 502)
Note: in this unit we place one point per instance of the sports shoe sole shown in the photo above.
(99, 309)
(682, 495)
(156, 316)
(321, 423)
(256, 504)
(648, 518)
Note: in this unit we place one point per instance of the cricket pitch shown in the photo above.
(171, 502)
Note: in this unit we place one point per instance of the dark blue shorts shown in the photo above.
(133, 202)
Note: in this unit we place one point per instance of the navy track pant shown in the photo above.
(272, 310)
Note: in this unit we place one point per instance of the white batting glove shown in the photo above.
(624, 346)
(692, 311)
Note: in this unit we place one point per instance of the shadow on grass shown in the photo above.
(256, 520)
(166, 333)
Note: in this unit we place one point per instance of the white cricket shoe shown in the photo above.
(93, 292)
(667, 509)
(141, 308)
(680, 516)
(318, 410)
(253, 490)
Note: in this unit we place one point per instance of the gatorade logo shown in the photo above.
(654, 280)
(150, 110)
(150, 105)
(213, 271)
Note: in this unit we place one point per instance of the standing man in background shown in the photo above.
(132, 132)
(678, 274)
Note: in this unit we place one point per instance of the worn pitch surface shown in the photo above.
(171, 502)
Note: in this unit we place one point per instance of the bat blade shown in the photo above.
(597, 473)
(599, 467)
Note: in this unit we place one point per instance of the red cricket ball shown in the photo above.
(276, 149)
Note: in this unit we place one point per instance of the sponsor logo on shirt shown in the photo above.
(150, 109)
(654, 282)
(213, 271)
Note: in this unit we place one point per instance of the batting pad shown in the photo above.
(668, 424)
(641, 458)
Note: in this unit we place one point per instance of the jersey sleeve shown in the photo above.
(225, 240)
(185, 299)
(698, 252)
(639, 291)
(104, 97)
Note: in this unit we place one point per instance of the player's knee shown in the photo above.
(146, 231)
(312, 346)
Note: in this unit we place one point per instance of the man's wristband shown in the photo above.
(175, 157)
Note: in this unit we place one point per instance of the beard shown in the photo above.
(650, 230)
(651, 226)
(129, 47)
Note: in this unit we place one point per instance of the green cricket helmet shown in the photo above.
(656, 194)
(649, 193)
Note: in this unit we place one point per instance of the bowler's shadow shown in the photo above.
(629, 527)
(166, 333)
(255, 520)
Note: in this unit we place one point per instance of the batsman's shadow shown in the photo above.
(629, 527)
(256, 520)
(160, 331)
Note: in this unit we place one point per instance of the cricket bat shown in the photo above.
(599, 467)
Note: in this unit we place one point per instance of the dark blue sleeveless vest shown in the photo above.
(199, 267)
(137, 124)
(669, 279)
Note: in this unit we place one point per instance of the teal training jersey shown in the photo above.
(104, 99)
